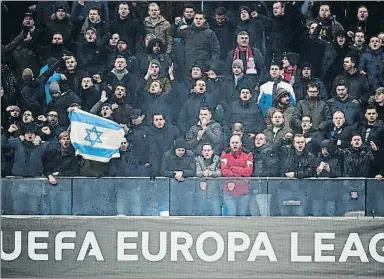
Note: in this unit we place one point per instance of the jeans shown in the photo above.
(237, 206)
(260, 205)
(319, 208)
(208, 206)
(128, 201)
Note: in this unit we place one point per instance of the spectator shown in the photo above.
(30, 92)
(235, 162)
(121, 104)
(340, 132)
(358, 46)
(276, 131)
(201, 44)
(56, 49)
(290, 62)
(50, 128)
(372, 63)
(372, 129)
(156, 24)
(282, 104)
(89, 93)
(312, 136)
(318, 111)
(347, 104)
(379, 102)
(269, 89)
(305, 77)
(362, 23)
(95, 21)
(82, 9)
(205, 131)
(253, 60)
(178, 162)
(60, 23)
(122, 49)
(328, 164)
(207, 194)
(155, 99)
(46, 10)
(156, 50)
(154, 73)
(73, 74)
(238, 130)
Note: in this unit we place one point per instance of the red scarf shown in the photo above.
(249, 60)
(289, 72)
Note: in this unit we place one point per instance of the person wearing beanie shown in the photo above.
(178, 162)
(281, 103)
(290, 62)
(253, 27)
(154, 73)
(46, 10)
(60, 23)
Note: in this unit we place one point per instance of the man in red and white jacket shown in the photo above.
(236, 162)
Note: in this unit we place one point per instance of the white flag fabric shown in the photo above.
(95, 138)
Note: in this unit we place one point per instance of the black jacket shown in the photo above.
(224, 34)
(62, 104)
(343, 134)
(376, 133)
(31, 98)
(64, 162)
(303, 165)
(358, 86)
(126, 165)
(91, 58)
(350, 107)
(334, 163)
(64, 27)
(255, 30)
(131, 29)
(357, 162)
(265, 161)
(172, 163)
(141, 138)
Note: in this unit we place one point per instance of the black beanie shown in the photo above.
(245, 8)
(180, 143)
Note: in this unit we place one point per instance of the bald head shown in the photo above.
(235, 143)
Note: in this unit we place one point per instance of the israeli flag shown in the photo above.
(95, 138)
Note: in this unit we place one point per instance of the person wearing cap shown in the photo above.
(253, 60)
(154, 73)
(254, 28)
(282, 104)
(236, 162)
(312, 106)
(156, 24)
(28, 150)
(371, 62)
(60, 23)
(268, 90)
(328, 164)
(178, 162)
(163, 135)
(332, 62)
(245, 110)
(379, 102)
(126, 23)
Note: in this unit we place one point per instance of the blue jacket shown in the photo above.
(372, 62)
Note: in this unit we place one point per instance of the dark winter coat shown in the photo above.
(201, 46)
(80, 12)
(232, 88)
(31, 98)
(28, 157)
(132, 61)
(45, 9)
(372, 62)
(89, 97)
(141, 138)
(130, 82)
(316, 138)
(64, 27)
(63, 162)
(93, 168)
(376, 133)
(172, 163)
(247, 113)
(156, 103)
(333, 60)
(92, 58)
(300, 88)
(357, 162)
(350, 107)
(358, 86)
(343, 134)
(74, 79)
(224, 34)
(265, 161)
(334, 163)
(255, 30)
(62, 104)
(212, 135)
(303, 165)
(127, 165)
(318, 110)
(130, 28)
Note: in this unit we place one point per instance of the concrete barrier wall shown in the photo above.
(194, 196)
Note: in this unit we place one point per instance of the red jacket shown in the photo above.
(236, 164)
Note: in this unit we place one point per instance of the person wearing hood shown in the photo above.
(201, 44)
(289, 67)
(328, 166)
(246, 111)
(236, 162)
(371, 63)
(357, 83)
(126, 24)
(254, 28)
(156, 24)
(318, 111)
(266, 164)
(205, 131)
(46, 10)
(282, 104)
(154, 73)
(163, 135)
(91, 56)
(301, 83)
(251, 57)
(178, 162)
(156, 50)
(224, 29)
(268, 90)
(332, 62)
(60, 23)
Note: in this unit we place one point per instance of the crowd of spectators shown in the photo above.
(289, 93)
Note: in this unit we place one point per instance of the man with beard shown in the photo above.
(30, 93)
(89, 93)
(156, 24)
(276, 131)
(333, 59)
(357, 83)
(61, 161)
(92, 58)
(306, 76)
(163, 135)
(126, 23)
(312, 106)
(236, 162)
(29, 151)
(60, 23)
(340, 132)
(282, 104)
(362, 23)
(56, 49)
(371, 63)
(50, 128)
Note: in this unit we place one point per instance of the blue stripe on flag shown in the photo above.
(94, 151)
(93, 120)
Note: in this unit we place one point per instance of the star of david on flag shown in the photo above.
(95, 138)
